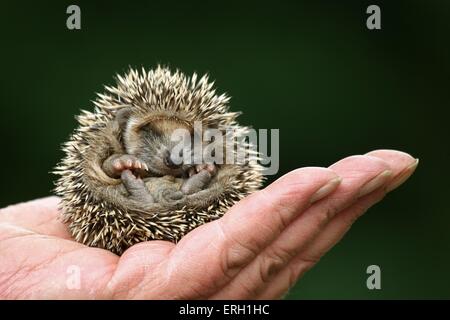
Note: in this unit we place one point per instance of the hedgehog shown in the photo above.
(121, 181)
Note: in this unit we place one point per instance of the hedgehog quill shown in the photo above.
(121, 182)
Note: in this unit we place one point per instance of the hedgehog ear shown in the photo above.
(122, 116)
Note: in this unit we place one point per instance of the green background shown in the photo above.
(311, 69)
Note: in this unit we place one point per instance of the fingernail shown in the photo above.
(326, 189)
(403, 176)
(375, 183)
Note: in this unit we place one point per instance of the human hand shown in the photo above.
(258, 250)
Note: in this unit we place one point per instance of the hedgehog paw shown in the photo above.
(116, 164)
(173, 195)
(136, 187)
(211, 168)
(196, 182)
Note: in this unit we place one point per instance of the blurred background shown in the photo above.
(309, 68)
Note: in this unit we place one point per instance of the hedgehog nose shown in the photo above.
(169, 162)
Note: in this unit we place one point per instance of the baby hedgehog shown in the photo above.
(129, 173)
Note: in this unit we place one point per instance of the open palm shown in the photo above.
(260, 248)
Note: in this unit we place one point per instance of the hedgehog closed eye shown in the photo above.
(120, 181)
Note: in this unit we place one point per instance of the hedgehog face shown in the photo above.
(155, 142)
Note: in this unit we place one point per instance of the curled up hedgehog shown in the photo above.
(131, 173)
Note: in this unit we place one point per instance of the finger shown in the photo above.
(40, 216)
(359, 174)
(301, 263)
(403, 166)
(209, 256)
(401, 161)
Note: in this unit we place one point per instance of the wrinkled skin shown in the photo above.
(260, 248)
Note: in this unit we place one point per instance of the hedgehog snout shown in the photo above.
(169, 162)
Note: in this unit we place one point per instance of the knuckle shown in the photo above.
(272, 262)
(323, 217)
(236, 255)
(283, 217)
